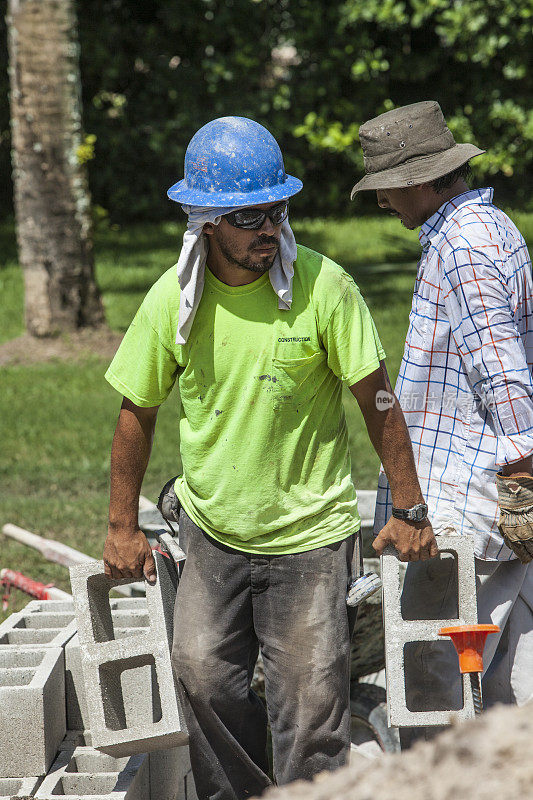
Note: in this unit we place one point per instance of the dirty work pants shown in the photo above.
(504, 598)
(291, 606)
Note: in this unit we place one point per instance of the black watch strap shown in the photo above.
(417, 513)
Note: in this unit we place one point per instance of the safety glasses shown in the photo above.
(251, 219)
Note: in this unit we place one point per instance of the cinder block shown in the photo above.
(75, 739)
(17, 787)
(400, 632)
(32, 703)
(128, 617)
(131, 695)
(36, 606)
(81, 772)
(31, 627)
(171, 775)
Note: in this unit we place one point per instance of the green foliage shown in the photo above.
(153, 73)
(85, 151)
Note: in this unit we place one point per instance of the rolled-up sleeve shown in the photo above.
(479, 304)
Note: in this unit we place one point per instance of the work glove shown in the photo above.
(515, 498)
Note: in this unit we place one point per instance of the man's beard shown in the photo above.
(252, 262)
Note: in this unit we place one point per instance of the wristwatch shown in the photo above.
(415, 514)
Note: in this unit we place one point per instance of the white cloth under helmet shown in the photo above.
(193, 257)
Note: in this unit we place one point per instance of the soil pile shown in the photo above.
(481, 759)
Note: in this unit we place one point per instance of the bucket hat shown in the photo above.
(409, 146)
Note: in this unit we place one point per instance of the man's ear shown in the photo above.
(208, 228)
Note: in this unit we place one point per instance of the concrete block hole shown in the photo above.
(42, 620)
(85, 785)
(437, 657)
(14, 659)
(125, 699)
(96, 762)
(113, 619)
(16, 677)
(443, 580)
(29, 636)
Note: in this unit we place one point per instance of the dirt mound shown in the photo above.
(481, 759)
(28, 349)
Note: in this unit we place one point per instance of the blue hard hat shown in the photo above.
(233, 161)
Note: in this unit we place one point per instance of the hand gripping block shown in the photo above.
(131, 695)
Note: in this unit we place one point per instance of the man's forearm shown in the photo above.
(389, 435)
(390, 438)
(130, 453)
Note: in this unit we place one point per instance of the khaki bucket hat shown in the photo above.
(409, 146)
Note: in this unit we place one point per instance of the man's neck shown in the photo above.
(439, 198)
(228, 273)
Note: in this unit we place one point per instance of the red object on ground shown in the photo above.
(11, 579)
(469, 641)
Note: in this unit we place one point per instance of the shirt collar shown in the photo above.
(432, 226)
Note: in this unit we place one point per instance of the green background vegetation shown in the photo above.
(312, 71)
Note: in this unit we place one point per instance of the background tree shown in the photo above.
(311, 71)
(51, 195)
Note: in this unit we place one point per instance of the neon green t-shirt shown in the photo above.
(263, 438)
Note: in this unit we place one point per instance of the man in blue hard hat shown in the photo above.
(260, 335)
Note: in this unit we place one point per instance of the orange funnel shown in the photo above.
(469, 641)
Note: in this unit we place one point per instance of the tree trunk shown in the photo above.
(52, 201)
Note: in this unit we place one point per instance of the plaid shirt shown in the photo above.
(465, 383)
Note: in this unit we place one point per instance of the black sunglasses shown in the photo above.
(253, 218)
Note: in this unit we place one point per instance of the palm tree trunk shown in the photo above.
(52, 201)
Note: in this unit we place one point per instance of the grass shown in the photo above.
(57, 418)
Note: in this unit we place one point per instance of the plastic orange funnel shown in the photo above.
(469, 641)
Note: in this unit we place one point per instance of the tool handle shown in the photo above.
(171, 546)
(357, 557)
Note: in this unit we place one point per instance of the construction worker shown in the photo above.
(260, 335)
(466, 390)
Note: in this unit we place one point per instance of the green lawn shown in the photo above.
(57, 418)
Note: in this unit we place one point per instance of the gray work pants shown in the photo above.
(291, 606)
(504, 598)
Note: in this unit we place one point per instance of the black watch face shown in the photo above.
(420, 514)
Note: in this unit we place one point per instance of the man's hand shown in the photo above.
(414, 541)
(128, 555)
(515, 499)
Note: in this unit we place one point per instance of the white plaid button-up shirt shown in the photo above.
(465, 383)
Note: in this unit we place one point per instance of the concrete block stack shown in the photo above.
(84, 771)
(109, 667)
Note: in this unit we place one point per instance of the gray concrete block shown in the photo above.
(400, 632)
(366, 505)
(131, 694)
(171, 775)
(80, 772)
(37, 606)
(44, 627)
(75, 739)
(128, 617)
(32, 703)
(17, 787)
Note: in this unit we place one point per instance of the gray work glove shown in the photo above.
(515, 498)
